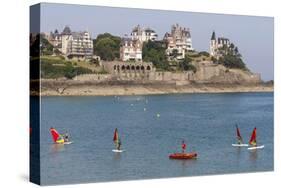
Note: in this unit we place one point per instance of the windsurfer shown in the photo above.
(239, 138)
(253, 140)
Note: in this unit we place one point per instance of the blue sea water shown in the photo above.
(205, 121)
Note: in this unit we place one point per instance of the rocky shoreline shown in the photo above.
(113, 89)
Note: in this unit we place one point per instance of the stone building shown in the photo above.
(217, 44)
(55, 39)
(129, 70)
(130, 50)
(143, 35)
(72, 44)
(178, 40)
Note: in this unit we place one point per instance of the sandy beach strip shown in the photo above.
(147, 89)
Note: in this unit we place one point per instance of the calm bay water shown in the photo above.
(205, 121)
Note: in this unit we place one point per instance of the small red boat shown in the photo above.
(191, 155)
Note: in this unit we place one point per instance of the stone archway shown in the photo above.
(148, 68)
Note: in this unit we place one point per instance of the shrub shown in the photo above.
(204, 54)
(66, 69)
(185, 64)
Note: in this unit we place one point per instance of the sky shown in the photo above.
(253, 35)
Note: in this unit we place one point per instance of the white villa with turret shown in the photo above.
(216, 44)
(143, 35)
(180, 40)
(72, 44)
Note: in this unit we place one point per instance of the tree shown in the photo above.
(155, 52)
(107, 46)
(174, 53)
(105, 49)
(230, 57)
(232, 61)
(46, 46)
(185, 64)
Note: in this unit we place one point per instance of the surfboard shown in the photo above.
(118, 151)
(256, 147)
(67, 143)
(64, 143)
(240, 145)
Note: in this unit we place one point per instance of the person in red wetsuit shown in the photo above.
(183, 146)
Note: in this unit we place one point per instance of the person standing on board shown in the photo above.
(119, 144)
(183, 146)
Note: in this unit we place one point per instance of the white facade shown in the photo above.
(143, 35)
(179, 39)
(217, 44)
(73, 44)
(79, 45)
(55, 39)
(131, 50)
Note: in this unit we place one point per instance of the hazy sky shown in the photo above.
(253, 35)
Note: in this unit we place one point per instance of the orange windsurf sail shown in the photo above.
(253, 140)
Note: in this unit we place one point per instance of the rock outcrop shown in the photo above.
(208, 72)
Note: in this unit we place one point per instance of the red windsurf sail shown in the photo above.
(115, 136)
(55, 134)
(253, 140)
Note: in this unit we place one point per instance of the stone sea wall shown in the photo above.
(207, 72)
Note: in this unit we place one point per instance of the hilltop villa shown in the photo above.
(180, 40)
(143, 35)
(216, 44)
(72, 44)
(130, 50)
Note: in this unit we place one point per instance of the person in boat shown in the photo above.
(66, 137)
(119, 144)
(183, 146)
